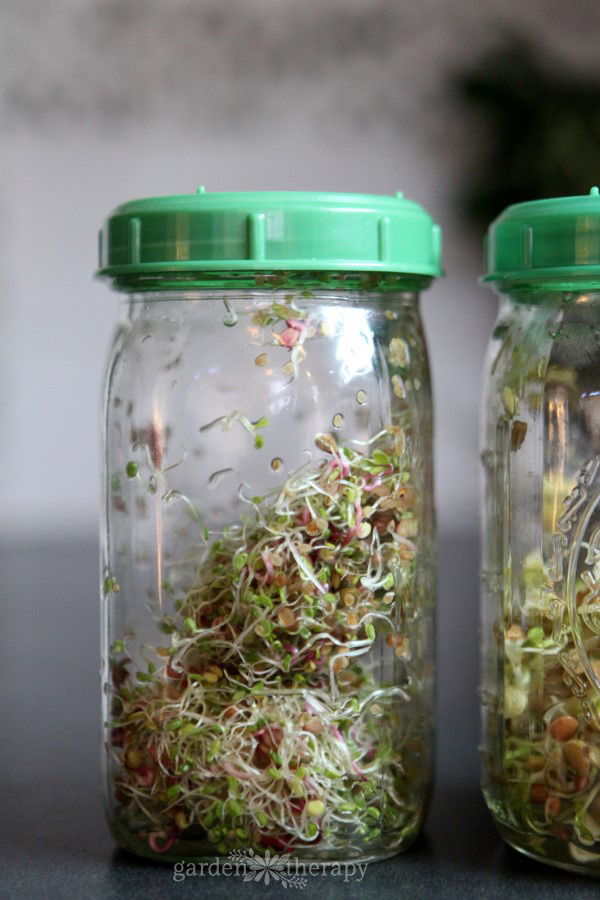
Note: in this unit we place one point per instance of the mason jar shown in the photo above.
(267, 525)
(541, 534)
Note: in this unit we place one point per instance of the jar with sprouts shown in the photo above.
(541, 548)
(267, 525)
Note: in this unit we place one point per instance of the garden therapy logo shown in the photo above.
(282, 869)
(268, 868)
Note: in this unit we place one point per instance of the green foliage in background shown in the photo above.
(541, 126)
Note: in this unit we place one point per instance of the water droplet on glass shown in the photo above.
(216, 477)
(361, 397)
(276, 463)
(261, 360)
(338, 420)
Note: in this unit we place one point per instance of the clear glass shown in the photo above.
(268, 574)
(540, 573)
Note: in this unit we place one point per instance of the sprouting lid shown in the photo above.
(545, 240)
(269, 231)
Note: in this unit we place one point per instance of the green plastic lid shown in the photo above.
(269, 231)
(545, 241)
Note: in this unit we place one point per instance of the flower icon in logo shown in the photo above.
(268, 868)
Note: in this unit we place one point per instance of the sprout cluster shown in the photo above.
(549, 770)
(267, 717)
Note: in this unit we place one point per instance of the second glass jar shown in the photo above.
(541, 554)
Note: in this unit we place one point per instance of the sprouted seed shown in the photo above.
(398, 387)
(398, 352)
(216, 477)
(253, 427)
(230, 318)
(262, 719)
(294, 328)
(517, 434)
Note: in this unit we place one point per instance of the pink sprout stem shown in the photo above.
(145, 776)
(157, 836)
(268, 564)
(351, 534)
(288, 337)
(359, 771)
(337, 734)
(358, 513)
(236, 773)
(371, 483)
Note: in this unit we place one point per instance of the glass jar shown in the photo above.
(541, 547)
(267, 531)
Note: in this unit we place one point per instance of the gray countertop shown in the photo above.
(53, 840)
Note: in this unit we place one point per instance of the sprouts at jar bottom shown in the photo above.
(194, 850)
(542, 770)
(550, 850)
(287, 708)
(546, 799)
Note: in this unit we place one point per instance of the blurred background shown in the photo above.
(462, 106)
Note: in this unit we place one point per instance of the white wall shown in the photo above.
(105, 100)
